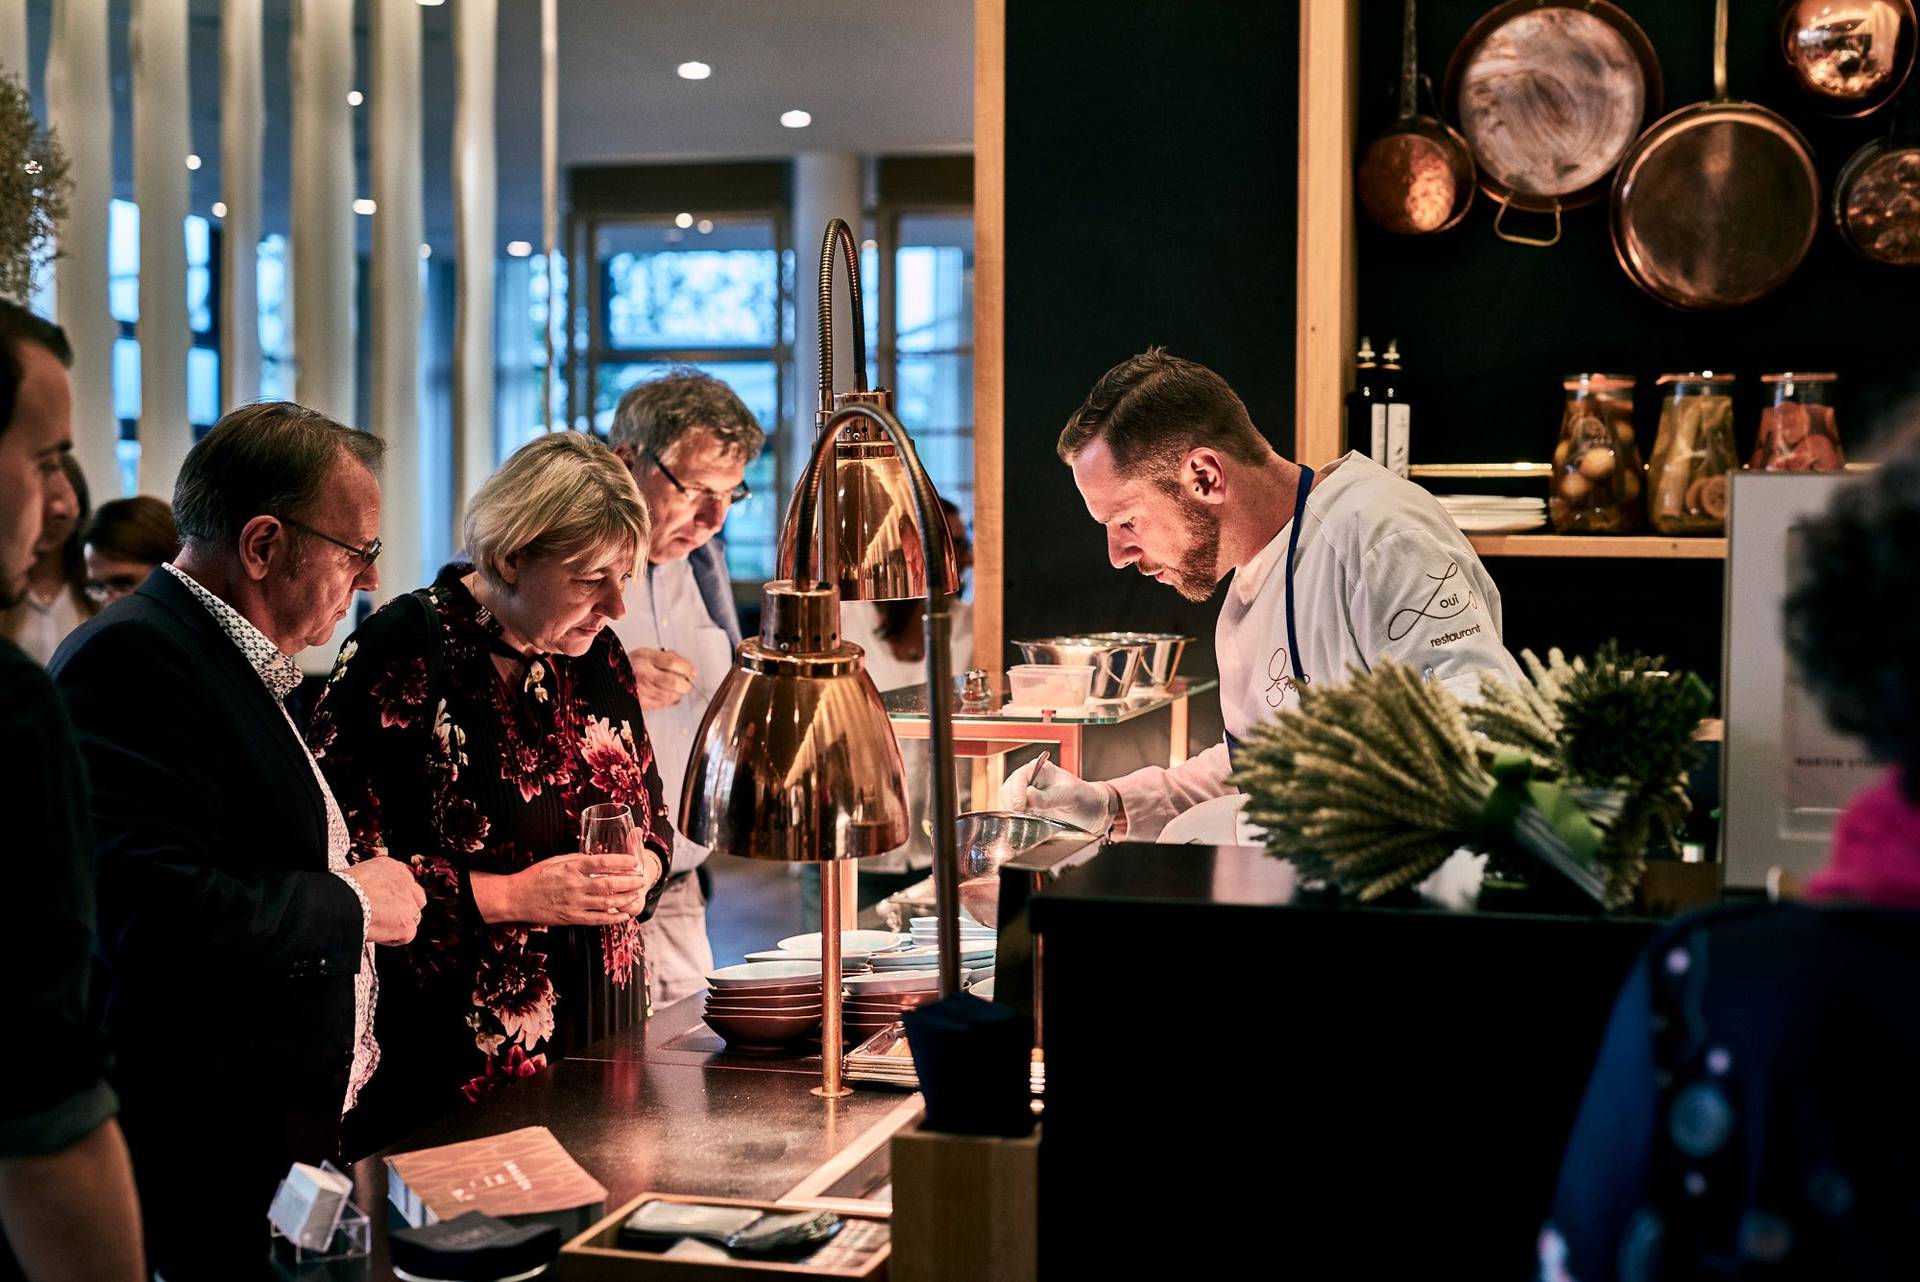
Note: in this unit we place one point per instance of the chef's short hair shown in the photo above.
(1153, 408)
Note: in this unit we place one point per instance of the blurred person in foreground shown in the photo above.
(55, 602)
(1752, 1112)
(67, 1204)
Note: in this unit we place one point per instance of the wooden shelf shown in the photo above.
(1599, 545)
(1480, 471)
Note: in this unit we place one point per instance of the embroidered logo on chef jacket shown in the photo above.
(1449, 599)
(1280, 680)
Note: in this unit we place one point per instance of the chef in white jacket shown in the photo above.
(1332, 570)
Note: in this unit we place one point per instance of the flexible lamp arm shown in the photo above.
(840, 235)
(927, 511)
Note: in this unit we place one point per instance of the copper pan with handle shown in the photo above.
(1417, 176)
(1550, 94)
(1717, 203)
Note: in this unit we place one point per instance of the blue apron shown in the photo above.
(1293, 641)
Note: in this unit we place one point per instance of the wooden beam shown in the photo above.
(1325, 264)
(989, 330)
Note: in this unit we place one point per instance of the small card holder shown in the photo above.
(350, 1238)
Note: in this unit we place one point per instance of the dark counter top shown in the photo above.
(666, 1109)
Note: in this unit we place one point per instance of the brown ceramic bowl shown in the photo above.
(770, 1012)
(728, 997)
(764, 1030)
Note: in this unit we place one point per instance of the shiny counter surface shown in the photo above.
(653, 1109)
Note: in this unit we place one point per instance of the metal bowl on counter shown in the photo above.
(1160, 662)
(1116, 664)
(985, 839)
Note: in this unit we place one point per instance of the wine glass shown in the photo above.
(606, 829)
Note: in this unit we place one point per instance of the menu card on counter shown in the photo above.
(523, 1172)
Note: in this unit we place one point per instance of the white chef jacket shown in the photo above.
(1381, 571)
(665, 611)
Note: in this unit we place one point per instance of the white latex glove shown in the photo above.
(1044, 788)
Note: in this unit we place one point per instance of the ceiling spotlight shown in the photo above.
(364, 206)
(683, 220)
(431, 4)
(193, 162)
(869, 245)
(219, 209)
(694, 70)
(795, 119)
(355, 98)
(426, 250)
(706, 226)
(519, 248)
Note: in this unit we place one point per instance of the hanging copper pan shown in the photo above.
(1717, 203)
(1876, 198)
(1850, 57)
(1550, 94)
(1417, 176)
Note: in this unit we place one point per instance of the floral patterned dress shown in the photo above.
(438, 759)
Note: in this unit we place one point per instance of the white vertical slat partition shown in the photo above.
(321, 218)
(243, 112)
(162, 138)
(475, 24)
(13, 38)
(77, 86)
(397, 232)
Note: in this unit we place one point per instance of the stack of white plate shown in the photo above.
(976, 941)
(1493, 513)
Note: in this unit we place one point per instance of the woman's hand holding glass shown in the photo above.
(609, 878)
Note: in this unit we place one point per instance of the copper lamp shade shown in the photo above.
(794, 760)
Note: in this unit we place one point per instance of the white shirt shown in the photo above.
(40, 626)
(860, 624)
(1381, 572)
(281, 674)
(665, 611)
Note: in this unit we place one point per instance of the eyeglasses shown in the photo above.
(700, 493)
(107, 591)
(366, 554)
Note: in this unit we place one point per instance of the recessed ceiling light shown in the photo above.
(519, 248)
(355, 98)
(795, 119)
(431, 4)
(706, 225)
(193, 162)
(219, 209)
(694, 70)
(426, 250)
(364, 206)
(683, 220)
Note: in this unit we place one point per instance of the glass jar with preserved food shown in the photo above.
(1797, 431)
(1597, 483)
(1693, 454)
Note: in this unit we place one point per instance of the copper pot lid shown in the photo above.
(1792, 377)
(1876, 203)
(1849, 56)
(1550, 97)
(1717, 205)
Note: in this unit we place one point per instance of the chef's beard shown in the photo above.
(1199, 570)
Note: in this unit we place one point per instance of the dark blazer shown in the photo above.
(231, 948)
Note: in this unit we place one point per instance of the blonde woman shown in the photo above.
(464, 729)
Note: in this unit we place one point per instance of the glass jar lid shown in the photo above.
(1791, 377)
(1702, 376)
(1574, 382)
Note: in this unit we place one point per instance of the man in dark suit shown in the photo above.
(238, 938)
(67, 1207)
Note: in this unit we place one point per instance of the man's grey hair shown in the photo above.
(656, 413)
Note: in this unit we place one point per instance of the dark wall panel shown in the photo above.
(1150, 199)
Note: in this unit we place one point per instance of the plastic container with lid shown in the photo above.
(1687, 478)
(1598, 484)
(1797, 431)
(1059, 686)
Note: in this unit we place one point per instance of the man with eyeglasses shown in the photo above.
(238, 939)
(688, 441)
